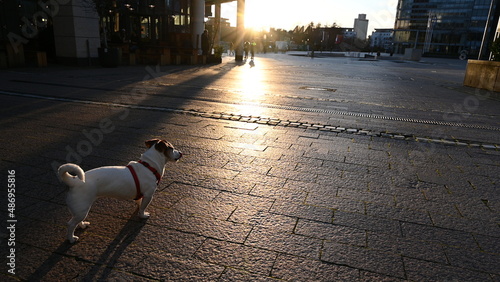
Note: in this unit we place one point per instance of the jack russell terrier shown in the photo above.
(137, 181)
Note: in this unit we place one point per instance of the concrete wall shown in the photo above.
(412, 54)
(483, 74)
(76, 33)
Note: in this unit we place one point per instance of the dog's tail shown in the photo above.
(70, 179)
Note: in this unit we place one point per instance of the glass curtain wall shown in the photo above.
(442, 27)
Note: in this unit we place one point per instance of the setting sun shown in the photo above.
(260, 14)
(269, 14)
(263, 14)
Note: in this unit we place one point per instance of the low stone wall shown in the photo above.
(483, 74)
(413, 54)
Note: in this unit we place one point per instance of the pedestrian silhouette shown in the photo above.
(252, 48)
(246, 47)
(204, 43)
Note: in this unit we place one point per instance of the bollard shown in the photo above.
(41, 59)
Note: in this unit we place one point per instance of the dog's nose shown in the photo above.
(180, 156)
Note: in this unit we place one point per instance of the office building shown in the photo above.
(444, 27)
(381, 39)
(361, 26)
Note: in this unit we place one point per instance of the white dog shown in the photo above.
(137, 180)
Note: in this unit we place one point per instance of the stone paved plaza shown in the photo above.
(298, 169)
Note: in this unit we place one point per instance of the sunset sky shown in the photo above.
(262, 14)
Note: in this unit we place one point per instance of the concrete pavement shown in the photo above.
(296, 169)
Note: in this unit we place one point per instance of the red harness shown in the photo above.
(136, 179)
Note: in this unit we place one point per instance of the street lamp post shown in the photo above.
(486, 31)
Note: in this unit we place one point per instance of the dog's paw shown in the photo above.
(73, 239)
(84, 224)
(144, 215)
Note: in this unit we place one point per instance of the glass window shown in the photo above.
(145, 27)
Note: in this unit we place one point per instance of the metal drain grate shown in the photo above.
(317, 88)
(291, 108)
(373, 116)
(287, 123)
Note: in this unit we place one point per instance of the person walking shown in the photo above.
(252, 49)
(246, 47)
(205, 45)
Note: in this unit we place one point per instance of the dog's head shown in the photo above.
(165, 148)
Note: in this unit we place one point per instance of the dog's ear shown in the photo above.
(152, 142)
(163, 146)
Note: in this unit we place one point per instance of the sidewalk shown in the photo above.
(252, 199)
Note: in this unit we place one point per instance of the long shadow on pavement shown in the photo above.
(60, 127)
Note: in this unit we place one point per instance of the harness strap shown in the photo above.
(153, 170)
(139, 194)
(137, 184)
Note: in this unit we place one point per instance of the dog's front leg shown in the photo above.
(142, 204)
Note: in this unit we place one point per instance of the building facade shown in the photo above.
(361, 26)
(71, 31)
(382, 39)
(444, 27)
(349, 33)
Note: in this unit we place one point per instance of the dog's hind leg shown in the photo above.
(72, 224)
(79, 214)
